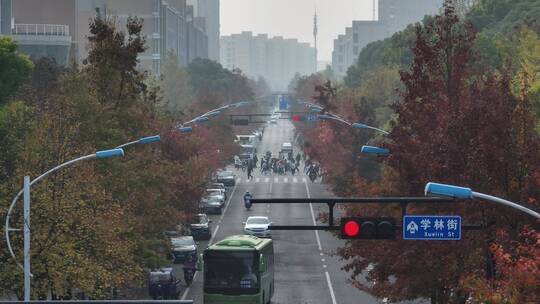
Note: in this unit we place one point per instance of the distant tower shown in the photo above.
(315, 32)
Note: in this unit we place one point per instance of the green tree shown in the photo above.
(15, 70)
(175, 87)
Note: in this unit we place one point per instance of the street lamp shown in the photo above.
(26, 198)
(374, 150)
(467, 193)
(358, 125)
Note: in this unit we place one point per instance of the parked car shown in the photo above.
(164, 284)
(201, 229)
(217, 192)
(258, 226)
(211, 205)
(217, 186)
(227, 178)
(182, 247)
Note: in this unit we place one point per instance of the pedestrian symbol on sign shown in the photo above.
(412, 227)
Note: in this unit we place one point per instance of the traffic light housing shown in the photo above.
(368, 228)
(298, 118)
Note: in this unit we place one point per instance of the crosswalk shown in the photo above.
(275, 180)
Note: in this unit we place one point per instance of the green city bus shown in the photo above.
(239, 269)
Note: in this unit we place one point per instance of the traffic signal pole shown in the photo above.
(331, 202)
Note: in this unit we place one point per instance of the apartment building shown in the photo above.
(276, 59)
(393, 16)
(59, 28)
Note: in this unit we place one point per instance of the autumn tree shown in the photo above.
(454, 125)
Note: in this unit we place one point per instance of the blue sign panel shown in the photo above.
(312, 117)
(283, 103)
(432, 227)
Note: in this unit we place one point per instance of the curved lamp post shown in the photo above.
(467, 193)
(26, 192)
(118, 151)
(357, 125)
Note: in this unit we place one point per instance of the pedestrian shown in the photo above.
(298, 158)
(255, 159)
(250, 169)
(237, 162)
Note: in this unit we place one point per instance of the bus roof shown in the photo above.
(240, 242)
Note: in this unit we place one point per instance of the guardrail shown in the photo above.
(41, 29)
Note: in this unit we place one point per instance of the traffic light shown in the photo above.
(297, 118)
(368, 228)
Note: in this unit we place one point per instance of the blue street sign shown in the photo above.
(432, 227)
(283, 103)
(312, 117)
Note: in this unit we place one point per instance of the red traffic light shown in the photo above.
(351, 229)
(296, 118)
(368, 228)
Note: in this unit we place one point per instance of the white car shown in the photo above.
(273, 121)
(258, 226)
(216, 193)
(216, 190)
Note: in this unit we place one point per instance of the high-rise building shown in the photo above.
(276, 59)
(59, 28)
(209, 9)
(393, 16)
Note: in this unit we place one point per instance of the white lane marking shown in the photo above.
(189, 287)
(186, 292)
(228, 201)
(332, 295)
(276, 180)
(313, 219)
(266, 180)
(330, 287)
(304, 180)
(294, 180)
(257, 179)
(324, 266)
(285, 180)
(238, 180)
(213, 235)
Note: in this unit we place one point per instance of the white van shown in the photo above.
(246, 139)
(286, 147)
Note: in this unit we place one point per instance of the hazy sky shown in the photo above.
(294, 19)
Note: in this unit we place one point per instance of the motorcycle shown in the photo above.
(189, 273)
(247, 202)
(312, 175)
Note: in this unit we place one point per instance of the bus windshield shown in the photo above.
(231, 272)
(247, 150)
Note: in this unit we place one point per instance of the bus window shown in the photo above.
(231, 272)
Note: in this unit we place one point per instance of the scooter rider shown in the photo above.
(190, 265)
(247, 200)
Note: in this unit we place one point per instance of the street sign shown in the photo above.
(312, 117)
(283, 103)
(432, 227)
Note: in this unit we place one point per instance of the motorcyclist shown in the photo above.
(247, 200)
(190, 265)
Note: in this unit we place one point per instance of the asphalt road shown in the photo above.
(305, 269)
